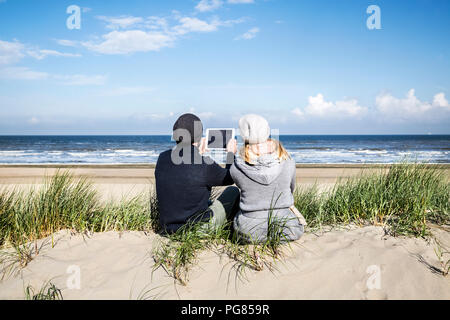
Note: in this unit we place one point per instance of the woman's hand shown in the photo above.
(232, 146)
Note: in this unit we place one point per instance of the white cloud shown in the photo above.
(159, 36)
(67, 43)
(240, 1)
(41, 54)
(124, 42)
(208, 5)
(188, 24)
(10, 52)
(146, 34)
(250, 34)
(230, 23)
(318, 107)
(81, 79)
(410, 107)
(22, 73)
(123, 91)
(298, 112)
(156, 23)
(122, 22)
(440, 101)
(152, 116)
(387, 108)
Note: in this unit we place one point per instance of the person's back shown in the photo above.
(266, 184)
(184, 189)
(265, 174)
(184, 179)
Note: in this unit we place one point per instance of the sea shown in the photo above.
(129, 149)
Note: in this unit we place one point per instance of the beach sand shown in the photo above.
(351, 263)
(117, 181)
(341, 264)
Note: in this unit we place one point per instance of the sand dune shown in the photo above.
(340, 264)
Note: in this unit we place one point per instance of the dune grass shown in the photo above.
(442, 255)
(178, 252)
(47, 292)
(403, 199)
(64, 202)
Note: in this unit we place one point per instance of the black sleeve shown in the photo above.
(219, 176)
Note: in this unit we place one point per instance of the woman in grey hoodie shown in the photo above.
(265, 174)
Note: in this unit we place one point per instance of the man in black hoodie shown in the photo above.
(184, 179)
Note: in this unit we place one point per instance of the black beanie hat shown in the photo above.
(192, 124)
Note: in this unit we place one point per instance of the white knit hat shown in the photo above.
(254, 128)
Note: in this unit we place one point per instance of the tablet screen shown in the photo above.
(218, 138)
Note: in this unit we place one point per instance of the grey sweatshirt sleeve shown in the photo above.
(235, 175)
(294, 179)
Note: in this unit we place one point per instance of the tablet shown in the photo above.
(218, 138)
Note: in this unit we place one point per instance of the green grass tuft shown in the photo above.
(402, 199)
(48, 292)
(64, 202)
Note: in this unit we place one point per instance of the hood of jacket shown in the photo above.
(264, 171)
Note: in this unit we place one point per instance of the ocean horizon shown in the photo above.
(134, 149)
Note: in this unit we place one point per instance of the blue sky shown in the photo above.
(310, 67)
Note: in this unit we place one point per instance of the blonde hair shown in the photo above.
(249, 156)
